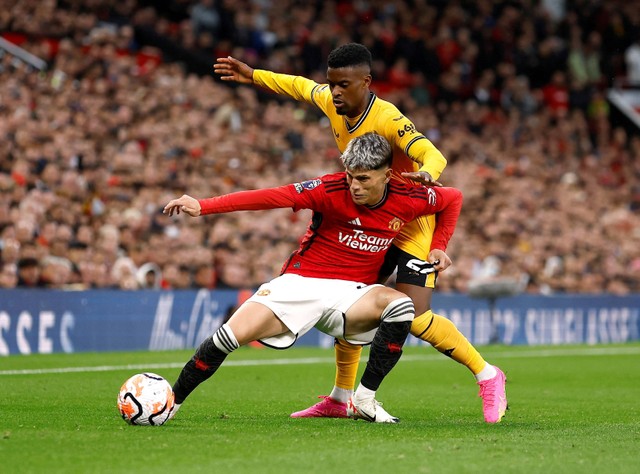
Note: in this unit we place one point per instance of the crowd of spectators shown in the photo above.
(512, 93)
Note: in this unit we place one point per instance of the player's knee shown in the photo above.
(398, 309)
(385, 295)
(421, 324)
(224, 339)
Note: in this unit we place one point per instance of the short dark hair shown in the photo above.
(27, 262)
(349, 55)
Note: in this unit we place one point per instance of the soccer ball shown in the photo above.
(145, 399)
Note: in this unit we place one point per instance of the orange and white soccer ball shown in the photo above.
(145, 399)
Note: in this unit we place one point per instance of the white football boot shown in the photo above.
(370, 410)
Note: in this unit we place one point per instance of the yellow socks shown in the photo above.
(432, 328)
(446, 338)
(347, 359)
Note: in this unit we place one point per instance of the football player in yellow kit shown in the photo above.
(353, 110)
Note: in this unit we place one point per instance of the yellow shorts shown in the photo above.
(409, 252)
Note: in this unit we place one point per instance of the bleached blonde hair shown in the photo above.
(367, 152)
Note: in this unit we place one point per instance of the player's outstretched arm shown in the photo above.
(185, 204)
(252, 200)
(230, 69)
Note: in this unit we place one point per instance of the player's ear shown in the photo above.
(388, 174)
(367, 80)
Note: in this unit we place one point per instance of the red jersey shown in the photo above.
(345, 240)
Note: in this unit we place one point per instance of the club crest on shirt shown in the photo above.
(308, 185)
(264, 292)
(395, 224)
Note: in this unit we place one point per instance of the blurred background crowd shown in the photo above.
(128, 115)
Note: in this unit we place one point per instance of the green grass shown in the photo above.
(572, 409)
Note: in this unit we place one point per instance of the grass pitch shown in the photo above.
(572, 409)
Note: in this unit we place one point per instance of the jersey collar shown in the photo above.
(363, 117)
(382, 200)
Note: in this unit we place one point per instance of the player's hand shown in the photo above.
(422, 177)
(439, 259)
(185, 204)
(230, 69)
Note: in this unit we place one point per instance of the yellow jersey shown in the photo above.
(412, 151)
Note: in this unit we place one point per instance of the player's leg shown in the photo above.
(393, 325)
(334, 405)
(347, 359)
(252, 321)
(445, 337)
(438, 331)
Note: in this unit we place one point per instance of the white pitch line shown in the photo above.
(560, 352)
(168, 365)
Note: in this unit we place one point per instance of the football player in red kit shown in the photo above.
(329, 282)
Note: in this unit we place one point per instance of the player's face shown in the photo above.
(368, 187)
(350, 89)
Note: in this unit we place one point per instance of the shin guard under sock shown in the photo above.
(347, 360)
(204, 363)
(386, 347)
(445, 337)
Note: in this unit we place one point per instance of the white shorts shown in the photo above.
(302, 303)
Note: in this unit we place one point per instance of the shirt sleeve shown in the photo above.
(259, 199)
(425, 153)
(449, 204)
(297, 87)
(400, 130)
